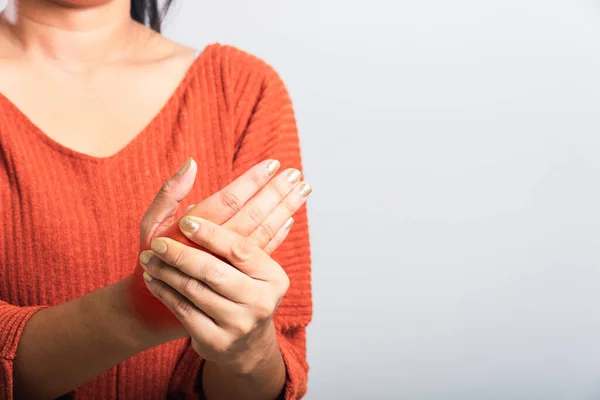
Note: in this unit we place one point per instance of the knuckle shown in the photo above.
(257, 179)
(222, 345)
(182, 308)
(241, 249)
(165, 188)
(203, 270)
(208, 233)
(266, 232)
(264, 310)
(276, 190)
(179, 258)
(160, 292)
(147, 223)
(190, 287)
(283, 283)
(212, 275)
(255, 214)
(156, 268)
(289, 207)
(242, 326)
(230, 201)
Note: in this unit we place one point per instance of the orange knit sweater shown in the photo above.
(58, 205)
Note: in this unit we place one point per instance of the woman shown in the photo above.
(96, 113)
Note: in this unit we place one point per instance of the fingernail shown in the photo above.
(272, 167)
(158, 246)
(145, 257)
(305, 189)
(289, 223)
(147, 277)
(188, 224)
(294, 176)
(185, 166)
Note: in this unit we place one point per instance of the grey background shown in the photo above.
(454, 148)
(454, 151)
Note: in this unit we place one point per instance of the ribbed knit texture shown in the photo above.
(70, 221)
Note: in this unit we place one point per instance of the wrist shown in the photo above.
(140, 331)
(263, 355)
(123, 322)
(255, 374)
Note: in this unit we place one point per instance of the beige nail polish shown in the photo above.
(294, 176)
(188, 224)
(184, 167)
(145, 257)
(147, 276)
(158, 246)
(305, 189)
(289, 223)
(272, 167)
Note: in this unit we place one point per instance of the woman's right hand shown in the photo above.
(258, 205)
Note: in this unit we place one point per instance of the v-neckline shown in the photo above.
(7, 104)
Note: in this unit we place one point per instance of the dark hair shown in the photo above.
(148, 12)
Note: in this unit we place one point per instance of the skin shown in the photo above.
(53, 59)
(57, 55)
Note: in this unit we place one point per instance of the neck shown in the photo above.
(78, 36)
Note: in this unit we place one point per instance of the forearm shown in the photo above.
(63, 347)
(263, 380)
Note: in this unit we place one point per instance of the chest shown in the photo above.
(71, 220)
(95, 114)
(99, 124)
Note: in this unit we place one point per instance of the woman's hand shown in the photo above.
(159, 219)
(264, 217)
(227, 306)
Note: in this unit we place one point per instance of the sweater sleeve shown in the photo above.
(12, 323)
(263, 126)
(267, 130)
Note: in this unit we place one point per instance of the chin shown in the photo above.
(81, 3)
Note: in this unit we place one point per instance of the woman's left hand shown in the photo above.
(227, 308)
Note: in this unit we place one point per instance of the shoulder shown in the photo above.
(237, 59)
(241, 86)
(237, 66)
(239, 80)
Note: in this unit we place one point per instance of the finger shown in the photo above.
(277, 218)
(279, 237)
(255, 211)
(225, 203)
(188, 208)
(198, 264)
(197, 292)
(193, 319)
(241, 252)
(164, 206)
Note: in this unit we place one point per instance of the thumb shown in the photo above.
(163, 209)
